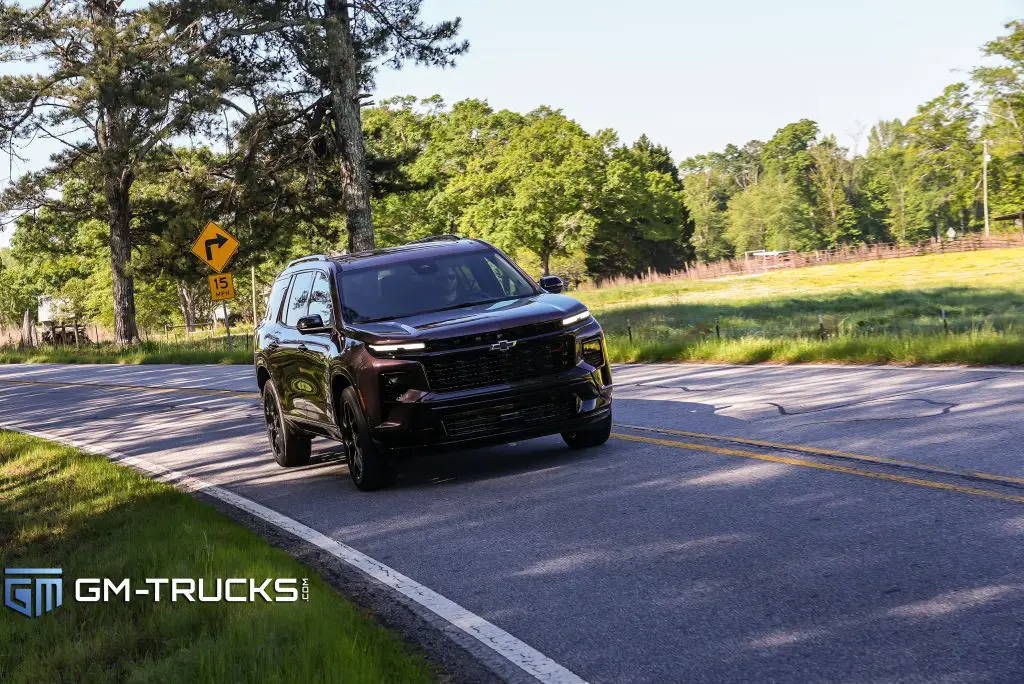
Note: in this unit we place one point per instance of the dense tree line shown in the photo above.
(267, 96)
(917, 179)
(117, 83)
(536, 184)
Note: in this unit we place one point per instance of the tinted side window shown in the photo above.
(274, 301)
(320, 299)
(298, 299)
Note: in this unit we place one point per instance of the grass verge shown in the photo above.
(145, 353)
(62, 508)
(982, 348)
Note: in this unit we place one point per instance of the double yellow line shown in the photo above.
(818, 465)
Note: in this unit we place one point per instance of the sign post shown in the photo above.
(215, 247)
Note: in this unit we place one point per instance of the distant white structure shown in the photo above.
(766, 253)
(52, 309)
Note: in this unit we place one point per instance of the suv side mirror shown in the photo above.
(312, 324)
(552, 284)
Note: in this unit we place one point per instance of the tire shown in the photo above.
(368, 464)
(591, 437)
(291, 447)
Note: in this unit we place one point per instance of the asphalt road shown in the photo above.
(685, 550)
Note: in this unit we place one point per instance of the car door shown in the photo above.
(316, 350)
(290, 359)
(269, 333)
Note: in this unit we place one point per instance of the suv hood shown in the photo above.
(470, 320)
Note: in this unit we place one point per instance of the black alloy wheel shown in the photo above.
(368, 464)
(291, 447)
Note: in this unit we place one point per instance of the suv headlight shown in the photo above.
(576, 318)
(403, 346)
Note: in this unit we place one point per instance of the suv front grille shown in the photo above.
(484, 367)
(508, 416)
(531, 330)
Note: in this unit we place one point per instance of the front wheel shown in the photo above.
(590, 437)
(291, 446)
(367, 464)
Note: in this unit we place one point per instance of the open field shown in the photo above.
(62, 508)
(868, 312)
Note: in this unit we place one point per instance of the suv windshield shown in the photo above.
(424, 284)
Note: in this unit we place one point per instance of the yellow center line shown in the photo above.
(980, 475)
(932, 484)
(135, 388)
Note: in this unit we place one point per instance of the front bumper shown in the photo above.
(573, 400)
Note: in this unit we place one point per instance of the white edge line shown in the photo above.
(524, 656)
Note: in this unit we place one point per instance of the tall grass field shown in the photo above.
(886, 311)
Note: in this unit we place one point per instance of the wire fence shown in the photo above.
(96, 338)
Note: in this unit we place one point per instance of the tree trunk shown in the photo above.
(27, 338)
(545, 262)
(118, 187)
(187, 305)
(348, 133)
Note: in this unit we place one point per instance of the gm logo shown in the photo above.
(33, 591)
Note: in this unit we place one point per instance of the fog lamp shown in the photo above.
(393, 385)
(592, 352)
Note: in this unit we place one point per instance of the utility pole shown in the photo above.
(984, 182)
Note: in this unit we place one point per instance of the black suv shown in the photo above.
(441, 342)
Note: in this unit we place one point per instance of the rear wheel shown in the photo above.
(591, 437)
(291, 446)
(367, 464)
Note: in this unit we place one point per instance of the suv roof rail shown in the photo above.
(435, 238)
(311, 257)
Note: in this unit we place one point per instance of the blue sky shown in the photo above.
(696, 76)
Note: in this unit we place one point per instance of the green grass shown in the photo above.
(212, 351)
(869, 312)
(62, 508)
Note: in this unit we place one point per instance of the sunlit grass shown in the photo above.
(204, 351)
(869, 312)
(62, 508)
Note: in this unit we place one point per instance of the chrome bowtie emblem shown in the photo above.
(503, 345)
